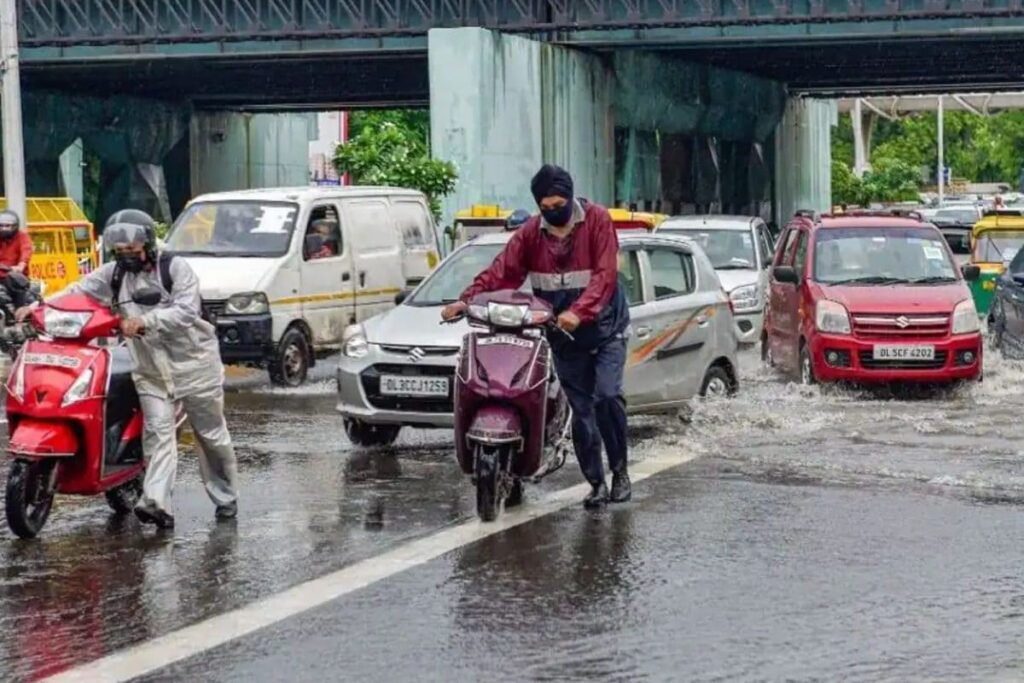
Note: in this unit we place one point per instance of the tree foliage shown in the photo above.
(391, 148)
(890, 180)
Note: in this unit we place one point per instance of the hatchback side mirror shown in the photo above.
(786, 274)
(148, 296)
(1018, 278)
(971, 272)
(402, 296)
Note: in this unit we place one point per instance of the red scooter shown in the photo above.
(73, 414)
(512, 420)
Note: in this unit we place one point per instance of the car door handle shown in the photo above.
(362, 278)
(643, 332)
(346, 277)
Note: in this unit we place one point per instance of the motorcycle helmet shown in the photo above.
(517, 219)
(130, 227)
(9, 225)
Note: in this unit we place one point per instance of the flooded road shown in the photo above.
(815, 534)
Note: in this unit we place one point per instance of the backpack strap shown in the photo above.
(164, 263)
(116, 279)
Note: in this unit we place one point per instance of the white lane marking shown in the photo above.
(189, 641)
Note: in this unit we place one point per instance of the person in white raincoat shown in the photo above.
(177, 358)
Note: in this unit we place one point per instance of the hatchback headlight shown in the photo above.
(830, 316)
(965, 318)
(355, 344)
(250, 303)
(744, 298)
(64, 324)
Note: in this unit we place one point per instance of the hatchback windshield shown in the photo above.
(881, 256)
(727, 249)
(998, 246)
(234, 229)
(453, 276)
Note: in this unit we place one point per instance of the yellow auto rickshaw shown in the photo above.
(63, 242)
(995, 240)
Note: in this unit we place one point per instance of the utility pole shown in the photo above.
(10, 110)
(942, 156)
(860, 156)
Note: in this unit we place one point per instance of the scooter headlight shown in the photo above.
(507, 315)
(79, 390)
(64, 324)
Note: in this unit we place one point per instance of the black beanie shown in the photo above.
(551, 181)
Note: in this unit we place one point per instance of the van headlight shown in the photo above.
(355, 344)
(830, 316)
(744, 298)
(965, 318)
(249, 303)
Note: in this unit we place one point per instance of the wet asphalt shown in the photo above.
(820, 534)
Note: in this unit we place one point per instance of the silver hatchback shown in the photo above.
(397, 369)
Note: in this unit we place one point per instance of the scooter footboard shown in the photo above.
(495, 424)
(43, 439)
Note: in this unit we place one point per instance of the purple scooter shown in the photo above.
(512, 420)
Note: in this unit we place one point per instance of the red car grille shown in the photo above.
(892, 326)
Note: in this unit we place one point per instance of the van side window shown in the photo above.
(325, 227)
(413, 222)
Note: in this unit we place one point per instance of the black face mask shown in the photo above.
(131, 264)
(559, 217)
(8, 233)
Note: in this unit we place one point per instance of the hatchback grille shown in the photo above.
(370, 377)
(426, 351)
(886, 325)
(868, 362)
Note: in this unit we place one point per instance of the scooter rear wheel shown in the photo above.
(29, 496)
(122, 499)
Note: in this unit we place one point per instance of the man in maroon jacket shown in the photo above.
(570, 255)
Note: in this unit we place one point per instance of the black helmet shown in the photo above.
(9, 224)
(131, 226)
(517, 219)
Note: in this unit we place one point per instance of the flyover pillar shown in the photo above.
(803, 167)
(502, 105)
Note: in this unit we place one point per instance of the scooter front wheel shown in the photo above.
(31, 487)
(488, 469)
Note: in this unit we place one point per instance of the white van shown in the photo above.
(284, 271)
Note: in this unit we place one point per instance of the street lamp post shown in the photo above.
(10, 110)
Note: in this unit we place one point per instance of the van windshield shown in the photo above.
(235, 228)
(453, 276)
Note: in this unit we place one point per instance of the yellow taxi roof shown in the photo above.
(484, 211)
(623, 215)
(998, 222)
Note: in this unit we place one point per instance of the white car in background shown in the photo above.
(740, 249)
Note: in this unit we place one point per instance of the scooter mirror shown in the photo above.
(148, 296)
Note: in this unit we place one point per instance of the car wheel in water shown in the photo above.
(363, 434)
(806, 367)
(290, 364)
(717, 383)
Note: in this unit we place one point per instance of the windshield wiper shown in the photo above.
(869, 280)
(932, 279)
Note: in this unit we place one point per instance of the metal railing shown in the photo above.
(126, 22)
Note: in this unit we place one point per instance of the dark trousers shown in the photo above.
(592, 381)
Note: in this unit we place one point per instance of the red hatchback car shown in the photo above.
(870, 298)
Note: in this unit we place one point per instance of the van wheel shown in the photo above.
(290, 364)
(363, 434)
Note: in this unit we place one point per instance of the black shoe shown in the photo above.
(229, 511)
(597, 498)
(150, 515)
(621, 489)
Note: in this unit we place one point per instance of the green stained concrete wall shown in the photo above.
(235, 151)
(803, 157)
(500, 106)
